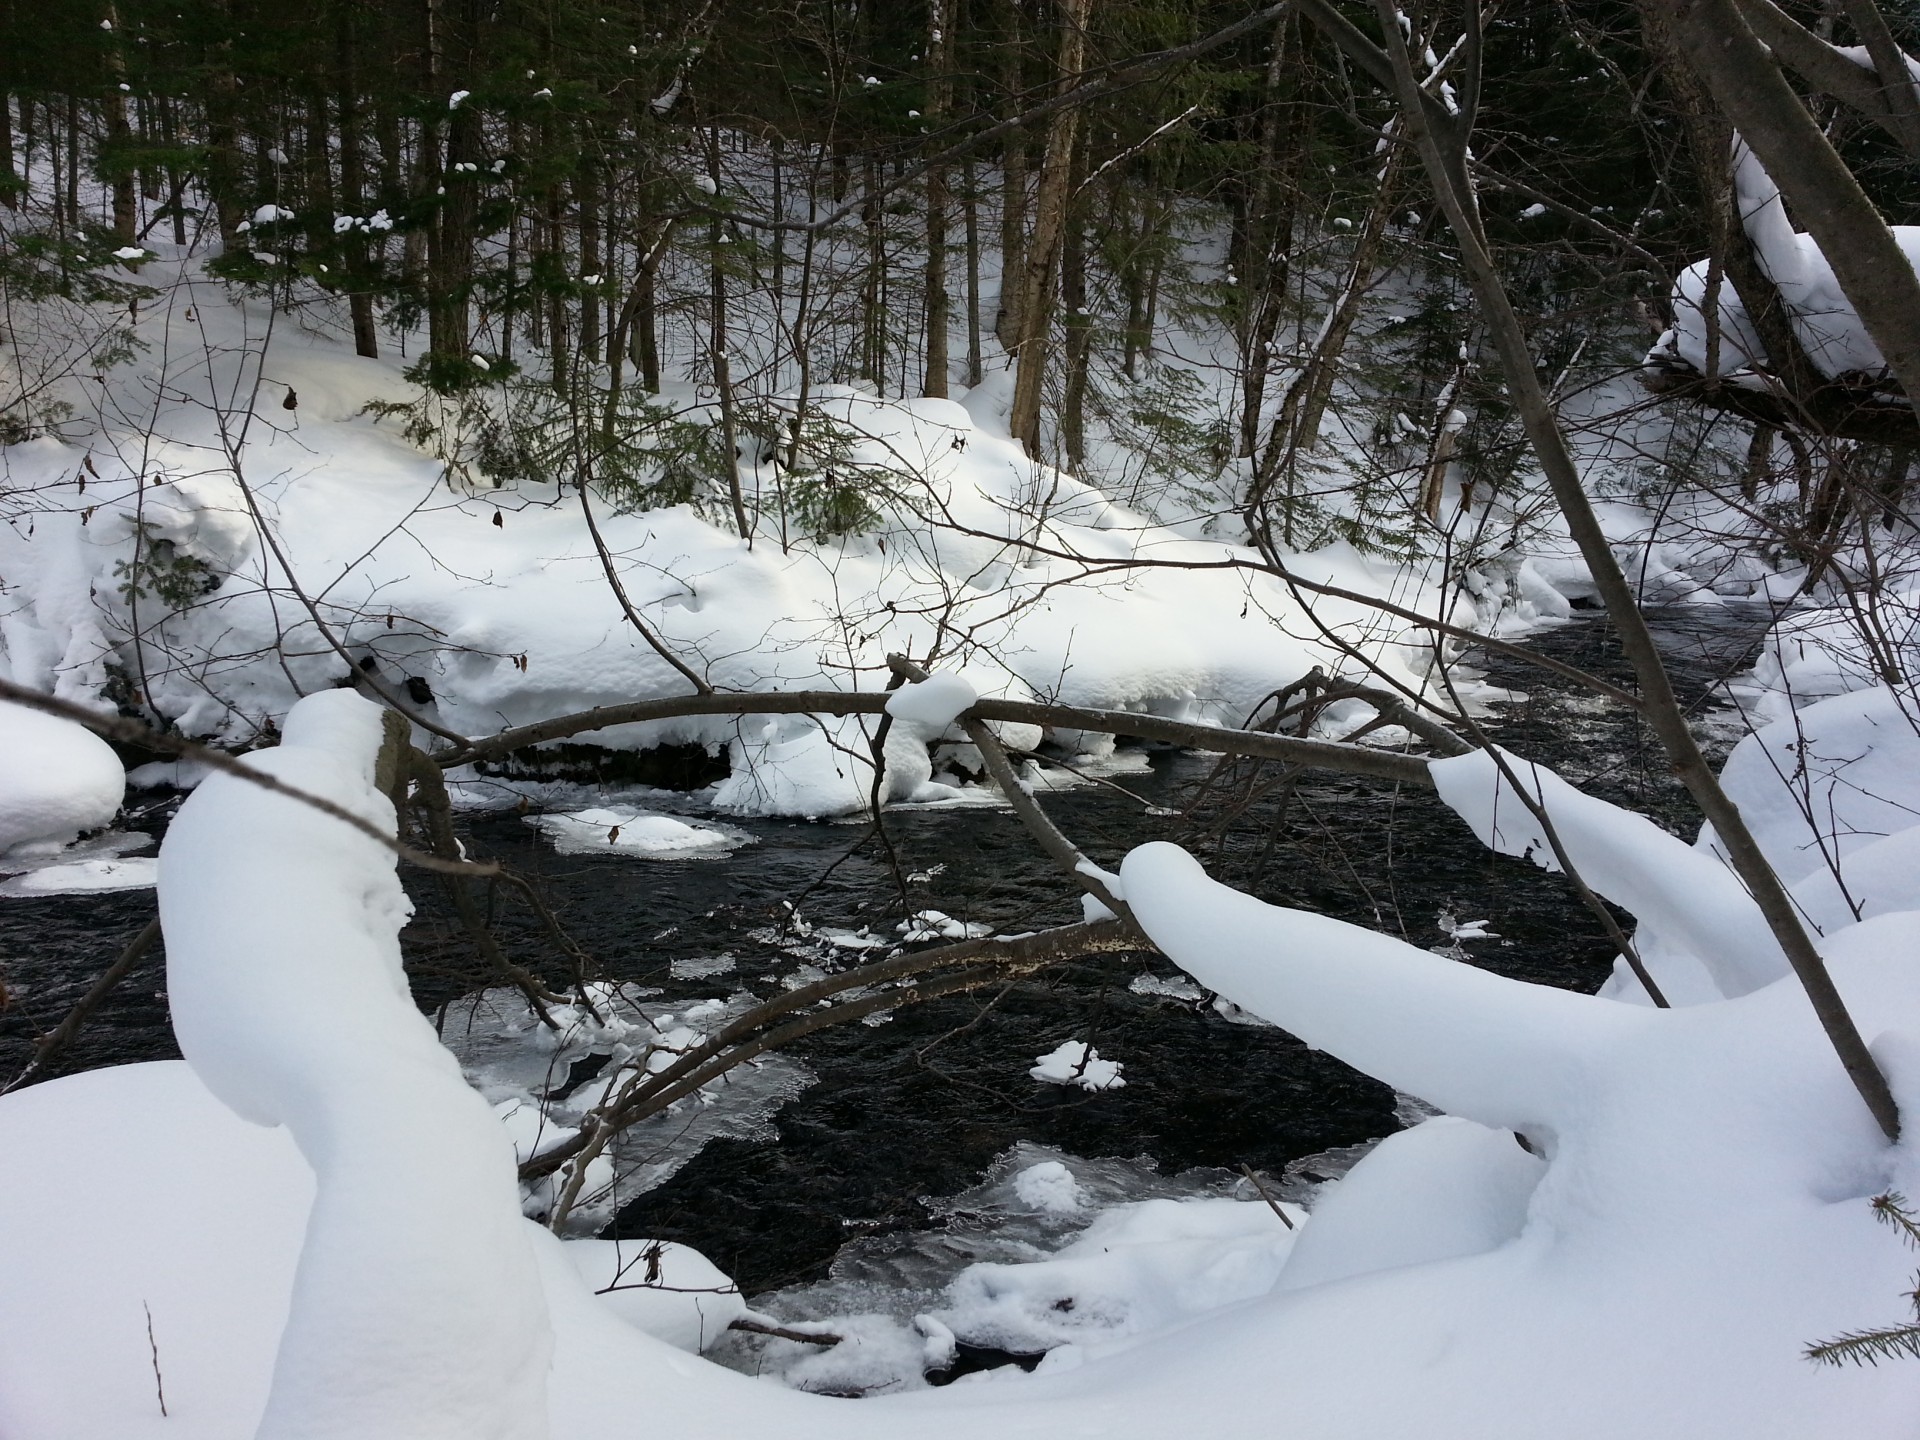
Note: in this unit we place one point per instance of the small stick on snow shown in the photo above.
(1272, 1204)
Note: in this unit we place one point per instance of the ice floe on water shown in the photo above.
(1074, 1062)
(100, 862)
(625, 830)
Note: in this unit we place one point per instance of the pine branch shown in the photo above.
(1868, 1347)
(1892, 1209)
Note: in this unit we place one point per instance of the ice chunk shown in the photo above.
(1074, 1062)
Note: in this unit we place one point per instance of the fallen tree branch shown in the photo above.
(1322, 754)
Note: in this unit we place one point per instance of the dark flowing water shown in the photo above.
(919, 1106)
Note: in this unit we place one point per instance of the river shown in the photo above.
(921, 1106)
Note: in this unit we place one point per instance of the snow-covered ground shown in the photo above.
(1690, 1209)
(198, 547)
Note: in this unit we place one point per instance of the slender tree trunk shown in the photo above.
(717, 344)
(119, 169)
(11, 188)
(1079, 324)
(353, 188)
(970, 209)
(316, 206)
(225, 182)
(873, 320)
(587, 195)
(1264, 275)
(176, 177)
(146, 128)
(1013, 187)
(1049, 220)
(939, 102)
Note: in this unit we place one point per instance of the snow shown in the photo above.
(1689, 896)
(417, 1308)
(1694, 1213)
(934, 703)
(514, 623)
(57, 778)
(1823, 318)
(627, 830)
(1829, 793)
(671, 1292)
(1050, 1186)
(83, 877)
(1074, 1062)
(1698, 1215)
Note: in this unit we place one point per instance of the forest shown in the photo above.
(1071, 717)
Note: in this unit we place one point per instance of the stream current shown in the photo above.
(922, 1105)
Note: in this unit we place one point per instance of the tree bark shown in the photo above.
(1049, 221)
(939, 102)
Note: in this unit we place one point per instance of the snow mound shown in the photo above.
(934, 702)
(1697, 1217)
(1823, 319)
(56, 780)
(671, 1292)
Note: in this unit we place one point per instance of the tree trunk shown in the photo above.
(353, 189)
(873, 320)
(224, 174)
(1079, 324)
(1013, 188)
(1049, 220)
(587, 194)
(10, 186)
(970, 209)
(939, 102)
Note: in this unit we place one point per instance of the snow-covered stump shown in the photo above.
(418, 1310)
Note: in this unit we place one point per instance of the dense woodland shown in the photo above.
(755, 200)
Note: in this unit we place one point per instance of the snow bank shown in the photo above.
(1698, 1215)
(1694, 1212)
(1832, 795)
(975, 553)
(671, 1292)
(56, 780)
